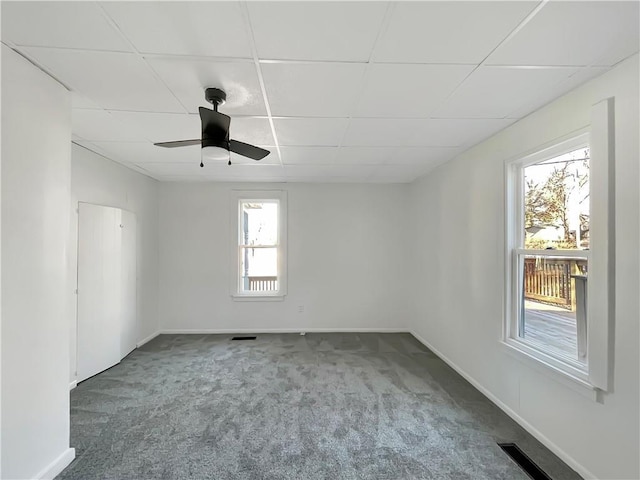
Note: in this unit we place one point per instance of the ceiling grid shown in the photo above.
(378, 92)
(256, 61)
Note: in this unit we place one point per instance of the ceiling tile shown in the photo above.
(188, 79)
(365, 155)
(400, 90)
(396, 155)
(440, 32)
(310, 131)
(214, 172)
(546, 95)
(312, 90)
(393, 132)
(100, 126)
(308, 155)
(256, 131)
(160, 127)
(114, 81)
(183, 28)
(494, 92)
(401, 173)
(320, 172)
(80, 25)
(574, 33)
(221, 177)
(80, 101)
(334, 31)
(421, 132)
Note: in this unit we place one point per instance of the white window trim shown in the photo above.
(237, 196)
(596, 374)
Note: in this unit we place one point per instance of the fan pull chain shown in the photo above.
(201, 164)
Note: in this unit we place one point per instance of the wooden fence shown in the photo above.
(263, 284)
(548, 280)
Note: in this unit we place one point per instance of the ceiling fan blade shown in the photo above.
(246, 150)
(179, 143)
(215, 125)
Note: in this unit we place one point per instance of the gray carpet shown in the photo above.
(285, 406)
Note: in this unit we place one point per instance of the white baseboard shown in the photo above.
(73, 384)
(565, 457)
(230, 331)
(58, 465)
(147, 339)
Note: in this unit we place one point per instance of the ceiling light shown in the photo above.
(215, 154)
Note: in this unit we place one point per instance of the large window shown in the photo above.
(550, 258)
(259, 238)
(558, 253)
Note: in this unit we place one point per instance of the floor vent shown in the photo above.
(525, 463)
(244, 338)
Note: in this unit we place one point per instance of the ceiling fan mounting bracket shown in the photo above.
(215, 96)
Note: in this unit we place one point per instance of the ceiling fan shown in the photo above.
(215, 140)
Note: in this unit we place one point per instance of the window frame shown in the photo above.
(237, 198)
(596, 375)
(516, 251)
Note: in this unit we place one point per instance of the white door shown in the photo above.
(128, 283)
(99, 297)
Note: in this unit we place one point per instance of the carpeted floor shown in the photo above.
(285, 406)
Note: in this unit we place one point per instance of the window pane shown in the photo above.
(556, 202)
(259, 224)
(554, 300)
(258, 269)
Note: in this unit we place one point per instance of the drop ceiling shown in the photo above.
(337, 91)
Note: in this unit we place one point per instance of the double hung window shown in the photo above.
(259, 244)
(560, 237)
(550, 254)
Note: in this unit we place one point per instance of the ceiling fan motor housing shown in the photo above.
(215, 96)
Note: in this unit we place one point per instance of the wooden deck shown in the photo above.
(552, 326)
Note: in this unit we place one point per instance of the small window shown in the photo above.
(259, 244)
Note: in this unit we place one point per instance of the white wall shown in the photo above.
(0, 280)
(458, 212)
(97, 180)
(346, 259)
(36, 140)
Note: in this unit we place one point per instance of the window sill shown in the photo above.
(258, 298)
(563, 374)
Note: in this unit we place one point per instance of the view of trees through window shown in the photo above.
(556, 202)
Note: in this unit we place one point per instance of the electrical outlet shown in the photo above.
(300, 308)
